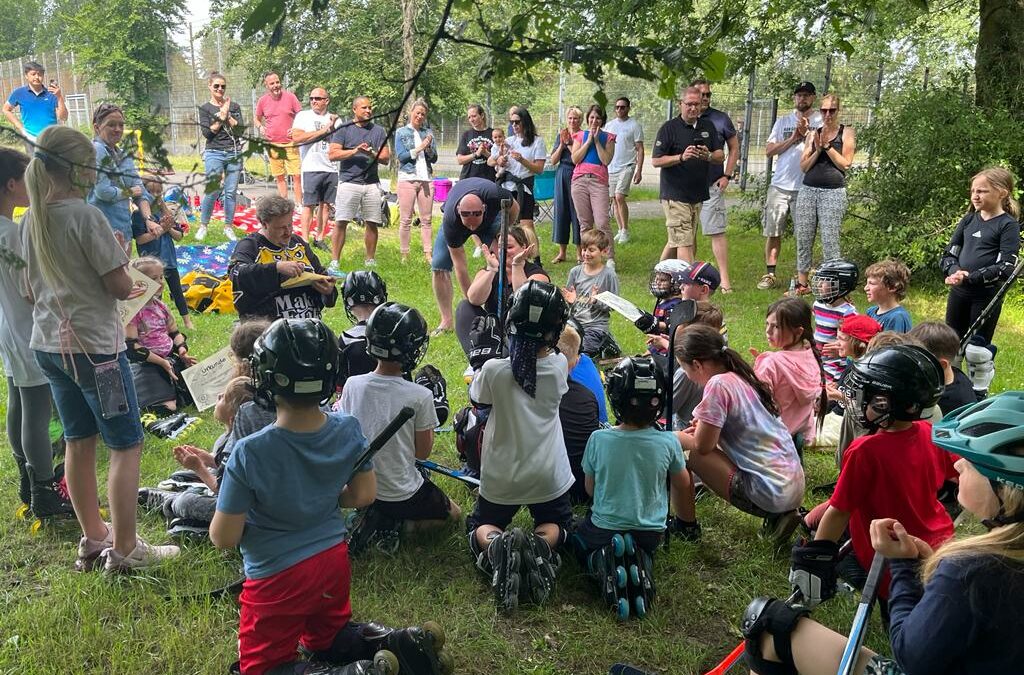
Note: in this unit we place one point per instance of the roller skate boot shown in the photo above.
(540, 565)
(417, 650)
(50, 500)
(640, 577)
(370, 527)
(504, 554)
(606, 566)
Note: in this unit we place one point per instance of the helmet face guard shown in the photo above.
(834, 279)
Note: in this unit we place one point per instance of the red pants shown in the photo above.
(307, 603)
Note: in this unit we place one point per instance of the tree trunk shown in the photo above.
(408, 44)
(999, 59)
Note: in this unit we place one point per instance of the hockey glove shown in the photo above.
(813, 570)
(647, 323)
(485, 342)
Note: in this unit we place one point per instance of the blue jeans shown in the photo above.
(216, 162)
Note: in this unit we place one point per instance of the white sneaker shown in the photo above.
(144, 555)
(229, 232)
(623, 237)
(90, 549)
(201, 233)
(333, 269)
(370, 262)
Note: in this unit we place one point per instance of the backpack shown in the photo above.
(208, 294)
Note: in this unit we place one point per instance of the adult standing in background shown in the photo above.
(627, 165)
(683, 150)
(475, 145)
(565, 220)
(359, 147)
(416, 152)
(786, 142)
(39, 106)
(821, 202)
(525, 159)
(275, 116)
(319, 174)
(712, 214)
(592, 151)
(220, 120)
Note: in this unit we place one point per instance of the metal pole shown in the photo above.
(871, 112)
(561, 91)
(747, 117)
(220, 54)
(828, 73)
(195, 97)
(769, 160)
(668, 110)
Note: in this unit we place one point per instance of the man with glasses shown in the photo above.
(627, 164)
(786, 142)
(712, 213)
(275, 116)
(475, 146)
(319, 174)
(358, 146)
(684, 150)
(471, 209)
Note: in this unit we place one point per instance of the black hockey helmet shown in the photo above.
(538, 312)
(636, 388)
(834, 279)
(396, 332)
(900, 382)
(363, 287)
(295, 357)
(675, 270)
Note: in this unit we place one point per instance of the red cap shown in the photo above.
(860, 326)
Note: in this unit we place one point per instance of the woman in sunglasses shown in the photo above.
(220, 120)
(821, 202)
(526, 156)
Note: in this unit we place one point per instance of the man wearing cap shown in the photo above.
(471, 209)
(683, 150)
(700, 281)
(786, 142)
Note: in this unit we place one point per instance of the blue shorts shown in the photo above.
(78, 402)
(442, 260)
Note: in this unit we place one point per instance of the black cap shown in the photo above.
(805, 87)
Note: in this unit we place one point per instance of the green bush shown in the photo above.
(926, 147)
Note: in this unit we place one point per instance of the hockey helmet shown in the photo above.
(899, 382)
(636, 388)
(989, 435)
(834, 279)
(675, 270)
(295, 357)
(363, 287)
(396, 332)
(538, 312)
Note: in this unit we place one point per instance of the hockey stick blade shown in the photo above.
(448, 471)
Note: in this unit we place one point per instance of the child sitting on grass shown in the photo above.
(886, 286)
(587, 280)
(577, 413)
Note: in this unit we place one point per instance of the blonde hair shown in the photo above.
(1001, 179)
(569, 343)
(890, 338)
(61, 153)
(243, 337)
(418, 103)
(237, 391)
(148, 262)
(574, 109)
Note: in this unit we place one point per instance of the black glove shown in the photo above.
(813, 570)
(485, 341)
(646, 323)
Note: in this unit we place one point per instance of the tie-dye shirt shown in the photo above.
(756, 441)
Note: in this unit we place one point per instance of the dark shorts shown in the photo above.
(590, 537)
(319, 187)
(557, 511)
(427, 503)
(524, 195)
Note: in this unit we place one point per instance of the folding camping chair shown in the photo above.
(544, 195)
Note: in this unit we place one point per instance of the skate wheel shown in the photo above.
(618, 545)
(37, 526)
(350, 520)
(446, 662)
(622, 609)
(640, 606)
(627, 540)
(436, 633)
(634, 575)
(385, 663)
(620, 577)
(22, 512)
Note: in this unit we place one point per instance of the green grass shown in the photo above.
(58, 621)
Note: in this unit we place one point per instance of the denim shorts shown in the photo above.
(78, 402)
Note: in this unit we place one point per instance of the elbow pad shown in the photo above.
(136, 352)
(181, 346)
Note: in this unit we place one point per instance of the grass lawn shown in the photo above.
(58, 621)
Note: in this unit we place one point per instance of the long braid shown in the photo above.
(522, 353)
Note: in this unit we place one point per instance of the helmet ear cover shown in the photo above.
(295, 358)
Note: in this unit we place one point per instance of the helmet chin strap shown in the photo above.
(1001, 519)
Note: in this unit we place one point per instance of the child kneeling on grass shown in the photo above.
(524, 460)
(738, 445)
(279, 502)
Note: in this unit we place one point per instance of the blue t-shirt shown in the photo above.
(630, 470)
(896, 319)
(38, 111)
(162, 247)
(585, 372)
(288, 483)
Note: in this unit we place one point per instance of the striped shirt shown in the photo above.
(826, 328)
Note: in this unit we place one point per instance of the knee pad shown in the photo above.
(777, 618)
(980, 366)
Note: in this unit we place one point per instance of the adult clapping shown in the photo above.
(592, 152)
(565, 220)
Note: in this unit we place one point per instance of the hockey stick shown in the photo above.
(860, 619)
(681, 313)
(502, 258)
(448, 471)
(990, 307)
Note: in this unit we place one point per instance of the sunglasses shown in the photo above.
(516, 121)
(621, 107)
(826, 111)
(219, 87)
(318, 98)
(471, 214)
(705, 94)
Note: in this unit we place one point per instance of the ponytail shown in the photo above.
(704, 343)
(823, 395)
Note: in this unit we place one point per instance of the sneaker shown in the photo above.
(229, 232)
(89, 550)
(333, 269)
(153, 499)
(623, 237)
(768, 281)
(201, 233)
(779, 527)
(370, 262)
(144, 555)
(683, 530)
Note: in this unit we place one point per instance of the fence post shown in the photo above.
(874, 106)
(561, 91)
(768, 161)
(195, 98)
(927, 72)
(747, 118)
(828, 73)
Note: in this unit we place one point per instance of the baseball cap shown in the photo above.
(805, 86)
(860, 326)
(702, 273)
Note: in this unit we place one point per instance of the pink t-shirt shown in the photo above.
(151, 322)
(277, 115)
(795, 379)
(591, 163)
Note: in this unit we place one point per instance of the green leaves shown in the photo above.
(267, 12)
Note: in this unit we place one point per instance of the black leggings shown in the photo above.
(465, 312)
(174, 286)
(28, 427)
(965, 305)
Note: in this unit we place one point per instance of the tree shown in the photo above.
(999, 59)
(18, 30)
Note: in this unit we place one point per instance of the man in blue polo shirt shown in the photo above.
(40, 106)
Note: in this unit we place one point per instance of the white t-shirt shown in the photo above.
(374, 400)
(81, 238)
(628, 133)
(523, 460)
(533, 152)
(787, 175)
(16, 315)
(314, 155)
(422, 170)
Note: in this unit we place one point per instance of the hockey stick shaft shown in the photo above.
(990, 307)
(448, 471)
(403, 416)
(502, 259)
(860, 619)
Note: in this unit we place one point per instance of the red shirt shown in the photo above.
(278, 115)
(894, 475)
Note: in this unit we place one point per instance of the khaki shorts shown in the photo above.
(680, 221)
(620, 182)
(289, 164)
(362, 201)
(777, 205)
(712, 215)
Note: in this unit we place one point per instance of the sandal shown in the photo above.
(440, 330)
(557, 259)
(725, 290)
(798, 290)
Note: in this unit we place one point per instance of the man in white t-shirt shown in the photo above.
(319, 174)
(627, 164)
(786, 142)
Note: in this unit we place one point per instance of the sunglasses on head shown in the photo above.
(219, 87)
